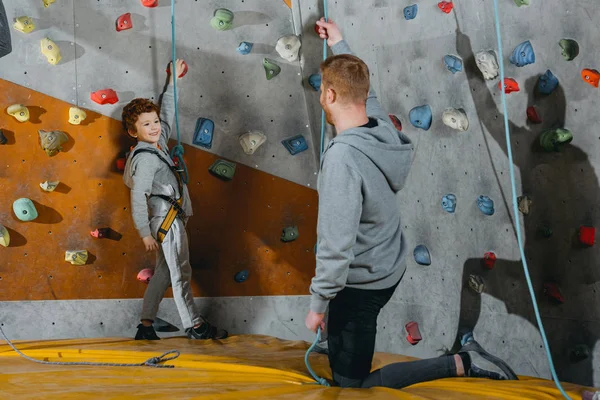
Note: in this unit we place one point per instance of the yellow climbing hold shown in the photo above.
(4, 236)
(50, 50)
(24, 24)
(76, 115)
(48, 2)
(19, 111)
(76, 257)
(49, 186)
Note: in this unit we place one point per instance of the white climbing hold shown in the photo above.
(49, 186)
(251, 141)
(288, 47)
(488, 64)
(456, 118)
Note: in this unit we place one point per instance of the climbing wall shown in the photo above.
(406, 61)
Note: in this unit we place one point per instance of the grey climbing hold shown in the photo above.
(453, 63)
(569, 49)
(547, 83)
(222, 19)
(487, 62)
(523, 54)
(449, 203)
(295, 145)
(315, 81)
(486, 205)
(289, 234)
(421, 117)
(524, 203)
(245, 48)
(422, 255)
(222, 169)
(456, 118)
(476, 283)
(203, 133)
(271, 69)
(241, 276)
(410, 12)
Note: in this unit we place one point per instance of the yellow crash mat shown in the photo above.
(240, 367)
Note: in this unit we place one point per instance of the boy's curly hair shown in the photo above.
(134, 109)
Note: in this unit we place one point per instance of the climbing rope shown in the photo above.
(323, 121)
(516, 207)
(177, 151)
(320, 381)
(154, 362)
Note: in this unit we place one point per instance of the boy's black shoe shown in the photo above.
(206, 331)
(146, 333)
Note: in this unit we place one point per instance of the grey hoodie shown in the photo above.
(360, 239)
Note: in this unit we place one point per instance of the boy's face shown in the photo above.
(148, 128)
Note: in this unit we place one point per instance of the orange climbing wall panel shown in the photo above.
(236, 225)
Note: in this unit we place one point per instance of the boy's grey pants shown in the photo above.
(172, 268)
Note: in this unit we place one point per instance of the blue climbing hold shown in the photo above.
(547, 83)
(410, 12)
(422, 256)
(315, 81)
(203, 134)
(453, 63)
(523, 55)
(486, 205)
(245, 48)
(421, 117)
(449, 203)
(241, 276)
(295, 145)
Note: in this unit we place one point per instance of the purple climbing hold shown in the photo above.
(523, 55)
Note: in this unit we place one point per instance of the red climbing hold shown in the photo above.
(414, 336)
(446, 6)
(591, 76)
(124, 22)
(533, 116)
(489, 260)
(145, 275)
(587, 235)
(317, 27)
(185, 70)
(553, 291)
(150, 3)
(105, 96)
(100, 233)
(510, 85)
(121, 164)
(396, 122)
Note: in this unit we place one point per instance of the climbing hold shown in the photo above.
(48, 2)
(396, 121)
(24, 24)
(3, 139)
(271, 69)
(105, 96)
(521, 3)
(410, 12)
(422, 255)
(49, 186)
(414, 336)
(100, 233)
(289, 234)
(4, 236)
(421, 117)
(288, 3)
(182, 74)
(487, 62)
(449, 203)
(222, 169)
(510, 85)
(587, 235)
(145, 275)
(524, 204)
(486, 205)
(547, 83)
(445, 6)
(25, 209)
(317, 28)
(52, 141)
(523, 54)
(251, 141)
(222, 19)
(288, 47)
(295, 145)
(245, 48)
(76, 115)
(456, 118)
(150, 3)
(315, 81)
(241, 276)
(453, 63)
(591, 76)
(569, 49)
(545, 231)
(50, 50)
(579, 353)
(121, 164)
(124, 22)
(553, 291)
(19, 111)
(489, 260)
(476, 283)
(76, 257)
(203, 134)
(554, 139)
(533, 116)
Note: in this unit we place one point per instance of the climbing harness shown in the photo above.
(516, 207)
(176, 209)
(154, 362)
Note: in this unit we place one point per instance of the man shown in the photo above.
(361, 248)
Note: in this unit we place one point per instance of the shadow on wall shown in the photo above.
(565, 190)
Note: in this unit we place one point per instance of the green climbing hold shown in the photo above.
(222, 19)
(289, 234)
(521, 3)
(271, 69)
(223, 169)
(25, 209)
(569, 49)
(554, 139)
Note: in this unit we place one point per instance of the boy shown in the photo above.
(161, 206)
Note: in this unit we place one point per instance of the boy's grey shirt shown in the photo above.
(360, 239)
(146, 174)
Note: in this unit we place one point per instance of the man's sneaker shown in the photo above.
(206, 331)
(146, 333)
(485, 365)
